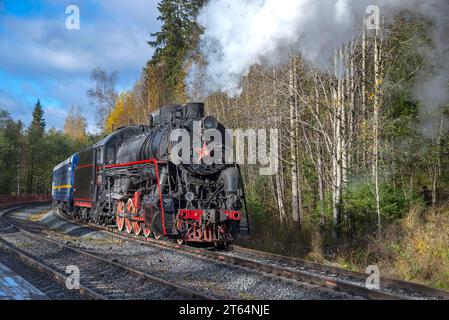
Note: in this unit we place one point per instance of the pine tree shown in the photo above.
(11, 151)
(178, 35)
(35, 146)
(37, 126)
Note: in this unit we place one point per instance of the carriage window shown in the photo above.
(110, 155)
(110, 151)
(99, 156)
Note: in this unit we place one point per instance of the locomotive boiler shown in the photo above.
(149, 180)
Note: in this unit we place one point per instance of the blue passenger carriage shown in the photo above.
(62, 185)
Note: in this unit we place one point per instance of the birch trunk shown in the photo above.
(296, 200)
(376, 129)
(344, 93)
(279, 175)
(336, 156)
(319, 160)
(364, 155)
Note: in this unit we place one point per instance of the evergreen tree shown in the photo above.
(37, 126)
(35, 148)
(27, 157)
(11, 148)
(4, 118)
(178, 36)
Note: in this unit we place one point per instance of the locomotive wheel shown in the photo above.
(120, 220)
(146, 232)
(130, 208)
(137, 228)
(120, 223)
(128, 225)
(157, 236)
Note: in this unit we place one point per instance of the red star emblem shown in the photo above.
(203, 152)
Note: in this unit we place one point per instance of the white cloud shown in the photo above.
(42, 51)
(242, 33)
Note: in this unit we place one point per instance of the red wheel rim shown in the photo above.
(157, 236)
(137, 228)
(128, 222)
(120, 220)
(146, 232)
(128, 225)
(120, 223)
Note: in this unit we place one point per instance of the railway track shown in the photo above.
(100, 277)
(389, 287)
(48, 281)
(331, 277)
(214, 278)
(339, 280)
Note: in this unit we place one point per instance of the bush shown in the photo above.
(415, 248)
(423, 252)
(360, 207)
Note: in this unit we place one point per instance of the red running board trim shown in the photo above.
(83, 204)
(130, 163)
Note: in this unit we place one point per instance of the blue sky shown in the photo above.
(41, 58)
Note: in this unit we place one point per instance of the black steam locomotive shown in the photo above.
(129, 180)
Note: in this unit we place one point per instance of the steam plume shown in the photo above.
(241, 33)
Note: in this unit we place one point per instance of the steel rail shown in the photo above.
(41, 267)
(176, 287)
(387, 292)
(388, 283)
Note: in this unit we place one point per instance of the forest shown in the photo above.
(363, 173)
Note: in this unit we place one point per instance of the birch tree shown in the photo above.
(296, 192)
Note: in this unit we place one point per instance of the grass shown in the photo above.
(414, 248)
(422, 252)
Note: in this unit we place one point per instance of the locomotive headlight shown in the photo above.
(189, 196)
(210, 123)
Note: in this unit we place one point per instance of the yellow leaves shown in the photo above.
(180, 89)
(161, 90)
(420, 246)
(75, 125)
(423, 253)
(155, 87)
(115, 115)
(377, 85)
(122, 114)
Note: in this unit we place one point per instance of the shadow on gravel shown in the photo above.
(55, 223)
(80, 231)
(7, 230)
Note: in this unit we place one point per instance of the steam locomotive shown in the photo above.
(129, 180)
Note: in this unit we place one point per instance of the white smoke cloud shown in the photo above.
(432, 83)
(241, 33)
